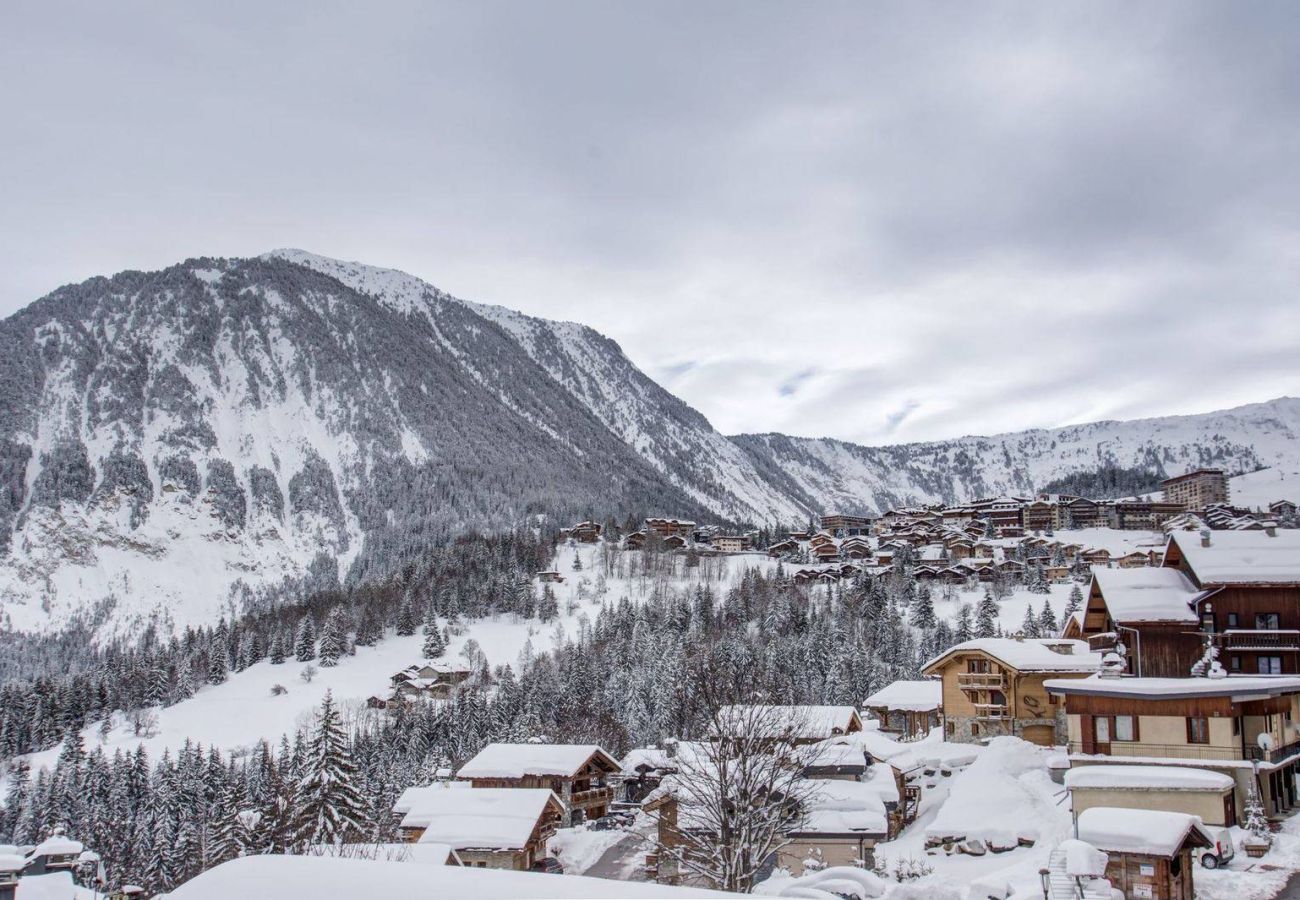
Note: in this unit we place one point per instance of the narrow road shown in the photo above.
(1291, 891)
(622, 861)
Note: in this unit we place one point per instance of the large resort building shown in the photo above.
(1196, 489)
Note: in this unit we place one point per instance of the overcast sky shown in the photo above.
(876, 222)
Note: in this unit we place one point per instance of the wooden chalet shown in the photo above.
(667, 528)
(995, 686)
(1210, 723)
(634, 541)
(1149, 852)
(800, 725)
(825, 552)
(1251, 594)
(1084, 513)
(493, 828)
(583, 532)
(434, 680)
(783, 548)
(550, 576)
(1283, 509)
(907, 708)
(579, 774)
(732, 543)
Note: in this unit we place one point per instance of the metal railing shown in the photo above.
(1260, 639)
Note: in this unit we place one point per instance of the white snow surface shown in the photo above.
(1167, 778)
(910, 696)
(311, 878)
(1150, 831)
(479, 818)
(1031, 654)
(518, 760)
(1147, 594)
(1242, 557)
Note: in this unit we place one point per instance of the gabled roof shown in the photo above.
(1028, 655)
(481, 818)
(1148, 832)
(1147, 595)
(1240, 557)
(519, 760)
(911, 696)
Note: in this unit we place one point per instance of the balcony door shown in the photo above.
(1101, 734)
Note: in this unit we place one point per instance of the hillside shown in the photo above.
(174, 443)
(850, 477)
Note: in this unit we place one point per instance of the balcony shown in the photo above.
(592, 797)
(1260, 639)
(991, 711)
(1204, 752)
(981, 681)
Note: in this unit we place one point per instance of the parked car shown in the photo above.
(1221, 853)
(548, 864)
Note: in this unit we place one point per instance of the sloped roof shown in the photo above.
(910, 696)
(805, 722)
(1163, 778)
(1242, 557)
(518, 760)
(1030, 654)
(480, 818)
(1147, 595)
(834, 806)
(1145, 831)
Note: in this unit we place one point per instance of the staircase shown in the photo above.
(1063, 886)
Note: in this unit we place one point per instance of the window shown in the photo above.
(1207, 621)
(1236, 726)
(1268, 621)
(1198, 730)
(1234, 663)
(1125, 728)
(1232, 620)
(1270, 665)
(1101, 728)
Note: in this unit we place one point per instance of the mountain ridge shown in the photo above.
(174, 444)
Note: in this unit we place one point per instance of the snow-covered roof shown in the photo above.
(1146, 831)
(50, 886)
(57, 845)
(1151, 778)
(911, 696)
(1245, 686)
(842, 807)
(1242, 557)
(518, 760)
(11, 862)
(480, 817)
(1030, 654)
(310, 878)
(1147, 595)
(802, 722)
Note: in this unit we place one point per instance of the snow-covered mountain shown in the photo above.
(174, 442)
(838, 475)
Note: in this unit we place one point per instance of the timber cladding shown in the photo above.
(1208, 707)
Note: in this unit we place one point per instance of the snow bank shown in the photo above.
(1004, 796)
(311, 878)
(837, 881)
(1083, 860)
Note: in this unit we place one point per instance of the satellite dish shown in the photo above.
(1265, 741)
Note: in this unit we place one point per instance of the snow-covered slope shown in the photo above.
(850, 477)
(175, 442)
(671, 436)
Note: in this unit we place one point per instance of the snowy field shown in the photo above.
(237, 714)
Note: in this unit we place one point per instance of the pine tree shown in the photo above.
(1074, 601)
(277, 649)
(986, 617)
(1029, 625)
(1047, 625)
(216, 665)
(434, 646)
(304, 646)
(405, 618)
(548, 608)
(328, 808)
(332, 638)
(922, 610)
(577, 562)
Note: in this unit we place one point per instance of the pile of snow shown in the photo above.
(1003, 797)
(1082, 860)
(53, 886)
(310, 878)
(827, 884)
(840, 807)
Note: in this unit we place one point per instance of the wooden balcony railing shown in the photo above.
(981, 681)
(592, 796)
(992, 711)
(1260, 639)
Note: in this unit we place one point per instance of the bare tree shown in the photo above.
(726, 811)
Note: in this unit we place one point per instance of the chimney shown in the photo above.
(1270, 528)
(1205, 537)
